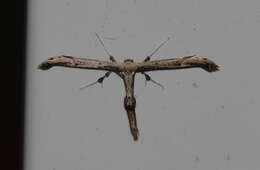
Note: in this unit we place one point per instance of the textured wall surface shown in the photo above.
(200, 121)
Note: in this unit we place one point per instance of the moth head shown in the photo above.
(128, 61)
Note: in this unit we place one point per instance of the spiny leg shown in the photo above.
(148, 78)
(100, 80)
(148, 58)
(102, 43)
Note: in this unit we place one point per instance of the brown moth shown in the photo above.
(127, 71)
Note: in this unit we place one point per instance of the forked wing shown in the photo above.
(178, 63)
(83, 63)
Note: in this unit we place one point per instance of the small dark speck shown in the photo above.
(97, 129)
(197, 159)
(228, 157)
(194, 84)
(222, 106)
(53, 168)
(194, 27)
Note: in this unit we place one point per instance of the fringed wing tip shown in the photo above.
(202, 62)
(211, 67)
(44, 65)
(49, 63)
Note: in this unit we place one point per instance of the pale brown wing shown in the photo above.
(178, 63)
(83, 63)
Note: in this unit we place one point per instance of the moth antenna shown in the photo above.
(149, 56)
(103, 45)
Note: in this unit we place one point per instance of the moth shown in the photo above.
(127, 71)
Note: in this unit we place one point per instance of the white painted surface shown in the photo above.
(214, 125)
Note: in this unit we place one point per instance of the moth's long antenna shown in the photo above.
(149, 56)
(102, 43)
(159, 47)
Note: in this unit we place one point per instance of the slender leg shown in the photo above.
(100, 80)
(102, 43)
(111, 58)
(148, 78)
(148, 58)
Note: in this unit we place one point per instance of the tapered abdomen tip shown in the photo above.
(135, 136)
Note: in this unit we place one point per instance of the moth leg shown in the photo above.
(148, 78)
(100, 80)
(111, 58)
(148, 58)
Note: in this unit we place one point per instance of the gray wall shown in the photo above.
(200, 121)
